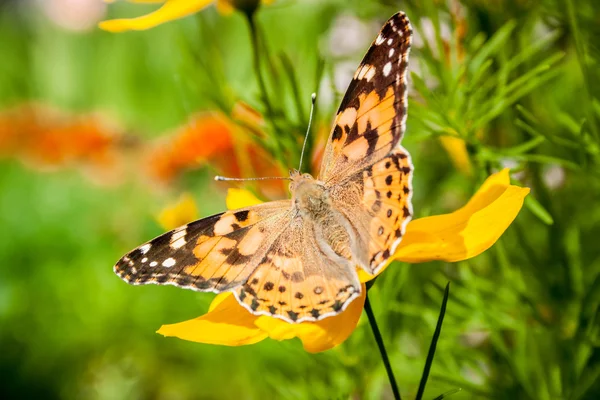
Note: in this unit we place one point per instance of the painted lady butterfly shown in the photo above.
(296, 259)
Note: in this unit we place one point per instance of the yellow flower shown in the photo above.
(172, 10)
(457, 150)
(179, 213)
(457, 236)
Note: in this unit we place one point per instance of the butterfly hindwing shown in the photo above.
(306, 275)
(377, 204)
(216, 253)
(371, 118)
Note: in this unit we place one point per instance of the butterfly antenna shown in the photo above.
(264, 178)
(312, 109)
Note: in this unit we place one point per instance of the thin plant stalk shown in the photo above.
(382, 350)
(269, 111)
(432, 347)
(256, 62)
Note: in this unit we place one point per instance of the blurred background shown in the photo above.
(108, 139)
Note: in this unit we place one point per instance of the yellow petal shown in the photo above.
(457, 149)
(363, 276)
(179, 213)
(468, 231)
(171, 10)
(240, 198)
(321, 335)
(227, 323)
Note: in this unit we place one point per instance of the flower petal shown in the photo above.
(171, 10)
(206, 137)
(227, 323)
(240, 198)
(321, 335)
(468, 231)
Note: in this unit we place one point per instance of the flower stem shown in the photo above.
(256, 62)
(269, 111)
(381, 345)
(432, 347)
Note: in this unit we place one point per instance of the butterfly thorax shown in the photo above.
(310, 197)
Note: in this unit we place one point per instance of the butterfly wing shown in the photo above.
(306, 275)
(368, 172)
(376, 203)
(371, 119)
(215, 254)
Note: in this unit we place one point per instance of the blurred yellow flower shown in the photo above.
(457, 236)
(179, 213)
(457, 150)
(172, 10)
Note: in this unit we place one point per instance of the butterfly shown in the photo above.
(297, 259)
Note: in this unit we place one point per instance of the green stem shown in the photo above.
(381, 345)
(269, 111)
(432, 347)
(256, 62)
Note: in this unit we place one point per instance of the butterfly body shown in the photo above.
(310, 197)
(296, 259)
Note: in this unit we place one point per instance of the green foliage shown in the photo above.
(517, 80)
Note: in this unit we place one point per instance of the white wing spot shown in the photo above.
(391, 53)
(179, 233)
(365, 72)
(177, 244)
(144, 259)
(390, 40)
(153, 264)
(169, 262)
(178, 238)
(379, 39)
(370, 74)
(144, 249)
(387, 68)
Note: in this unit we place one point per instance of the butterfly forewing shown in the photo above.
(216, 253)
(371, 118)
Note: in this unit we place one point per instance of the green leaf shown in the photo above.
(538, 210)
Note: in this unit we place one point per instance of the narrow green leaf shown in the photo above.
(525, 147)
(538, 210)
(492, 45)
